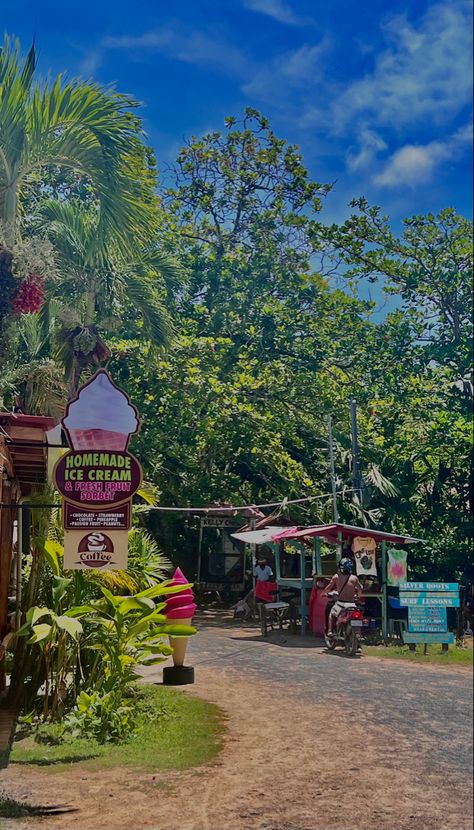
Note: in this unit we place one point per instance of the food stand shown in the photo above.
(340, 536)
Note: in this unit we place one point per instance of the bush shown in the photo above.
(101, 715)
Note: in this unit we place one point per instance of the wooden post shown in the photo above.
(332, 471)
(303, 589)
(8, 495)
(384, 590)
(317, 565)
(275, 547)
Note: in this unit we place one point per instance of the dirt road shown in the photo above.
(315, 742)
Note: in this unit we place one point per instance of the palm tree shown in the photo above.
(97, 285)
(73, 125)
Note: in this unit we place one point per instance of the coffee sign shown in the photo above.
(98, 477)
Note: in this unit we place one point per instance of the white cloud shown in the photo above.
(370, 144)
(277, 9)
(424, 73)
(91, 62)
(287, 72)
(189, 47)
(414, 164)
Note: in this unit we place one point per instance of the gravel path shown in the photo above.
(314, 741)
(430, 706)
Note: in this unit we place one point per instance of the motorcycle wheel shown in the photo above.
(351, 641)
(330, 642)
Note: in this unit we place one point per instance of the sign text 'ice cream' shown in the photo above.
(98, 476)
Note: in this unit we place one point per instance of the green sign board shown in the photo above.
(429, 620)
(429, 586)
(440, 600)
(423, 637)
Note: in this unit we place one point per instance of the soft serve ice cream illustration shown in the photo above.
(101, 417)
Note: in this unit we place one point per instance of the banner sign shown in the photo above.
(447, 637)
(98, 476)
(95, 551)
(441, 600)
(427, 619)
(429, 586)
(113, 518)
(427, 615)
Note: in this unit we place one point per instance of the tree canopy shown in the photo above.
(232, 314)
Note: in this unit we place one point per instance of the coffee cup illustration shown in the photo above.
(95, 550)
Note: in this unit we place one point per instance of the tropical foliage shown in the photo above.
(235, 318)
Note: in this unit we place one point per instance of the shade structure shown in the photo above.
(262, 536)
(336, 531)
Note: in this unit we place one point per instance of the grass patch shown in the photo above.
(175, 731)
(454, 657)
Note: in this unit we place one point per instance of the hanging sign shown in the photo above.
(95, 550)
(98, 476)
(113, 518)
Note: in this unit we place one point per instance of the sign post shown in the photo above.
(427, 615)
(98, 477)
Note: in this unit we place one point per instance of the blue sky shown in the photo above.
(377, 94)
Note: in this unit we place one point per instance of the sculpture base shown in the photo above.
(178, 675)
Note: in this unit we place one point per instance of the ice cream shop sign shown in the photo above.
(97, 479)
(98, 476)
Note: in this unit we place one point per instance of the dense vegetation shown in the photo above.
(258, 302)
(232, 315)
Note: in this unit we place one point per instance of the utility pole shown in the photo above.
(332, 471)
(355, 451)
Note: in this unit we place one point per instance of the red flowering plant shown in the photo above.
(30, 295)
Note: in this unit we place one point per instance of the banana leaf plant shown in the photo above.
(126, 632)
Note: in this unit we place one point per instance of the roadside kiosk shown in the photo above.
(314, 569)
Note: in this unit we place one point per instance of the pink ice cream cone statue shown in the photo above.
(180, 609)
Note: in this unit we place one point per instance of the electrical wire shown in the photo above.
(228, 508)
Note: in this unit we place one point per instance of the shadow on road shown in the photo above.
(282, 639)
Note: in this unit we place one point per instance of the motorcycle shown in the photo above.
(349, 626)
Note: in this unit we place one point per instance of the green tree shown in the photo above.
(96, 286)
(72, 126)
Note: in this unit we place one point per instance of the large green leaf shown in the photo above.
(136, 603)
(53, 552)
(164, 589)
(40, 632)
(69, 624)
(35, 613)
(79, 610)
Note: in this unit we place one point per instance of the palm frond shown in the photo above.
(156, 319)
(375, 476)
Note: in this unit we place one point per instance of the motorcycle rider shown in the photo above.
(348, 588)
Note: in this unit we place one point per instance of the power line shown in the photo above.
(228, 508)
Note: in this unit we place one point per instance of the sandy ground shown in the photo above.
(287, 764)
